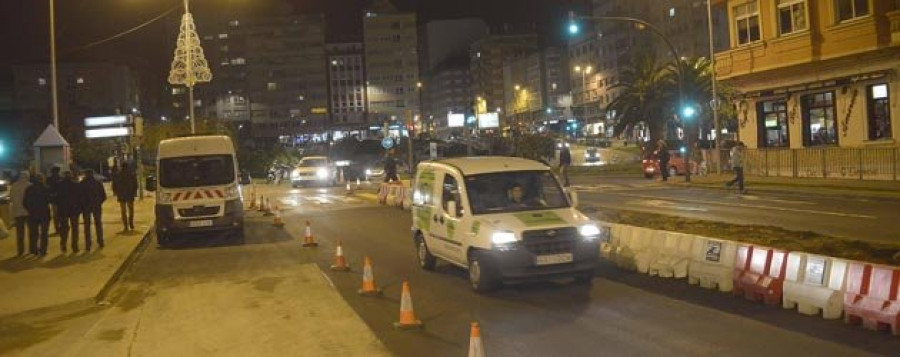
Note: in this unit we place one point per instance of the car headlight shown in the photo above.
(232, 192)
(589, 231)
(164, 198)
(369, 172)
(500, 238)
(322, 173)
(295, 174)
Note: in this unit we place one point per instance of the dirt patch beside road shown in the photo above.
(805, 241)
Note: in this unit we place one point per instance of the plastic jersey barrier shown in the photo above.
(814, 283)
(871, 297)
(759, 273)
(712, 263)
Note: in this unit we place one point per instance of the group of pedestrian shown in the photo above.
(63, 198)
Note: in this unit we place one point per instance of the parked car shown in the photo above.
(591, 155)
(650, 164)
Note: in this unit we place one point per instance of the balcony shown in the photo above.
(894, 18)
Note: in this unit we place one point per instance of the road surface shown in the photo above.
(271, 297)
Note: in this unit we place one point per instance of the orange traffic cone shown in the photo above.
(340, 264)
(308, 240)
(278, 221)
(368, 285)
(476, 348)
(407, 316)
(252, 199)
(268, 208)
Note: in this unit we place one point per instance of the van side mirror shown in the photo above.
(245, 178)
(150, 183)
(573, 197)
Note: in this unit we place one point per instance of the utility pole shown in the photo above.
(53, 64)
(714, 103)
(409, 139)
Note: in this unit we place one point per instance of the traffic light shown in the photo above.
(573, 25)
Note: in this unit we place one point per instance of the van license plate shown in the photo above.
(200, 223)
(554, 259)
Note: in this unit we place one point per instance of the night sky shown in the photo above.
(24, 26)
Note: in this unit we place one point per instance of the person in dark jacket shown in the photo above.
(92, 197)
(37, 202)
(565, 160)
(17, 208)
(662, 154)
(390, 168)
(52, 183)
(67, 203)
(125, 187)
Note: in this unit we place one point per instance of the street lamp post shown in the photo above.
(54, 96)
(573, 28)
(714, 104)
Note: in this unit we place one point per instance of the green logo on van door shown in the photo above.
(423, 217)
(539, 219)
(476, 226)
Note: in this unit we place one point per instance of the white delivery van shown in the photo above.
(313, 170)
(197, 187)
(503, 219)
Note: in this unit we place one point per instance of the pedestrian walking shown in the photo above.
(737, 162)
(91, 198)
(125, 188)
(565, 160)
(37, 203)
(67, 201)
(662, 154)
(17, 209)
(52, 182)
(697, 160)
(390, 168)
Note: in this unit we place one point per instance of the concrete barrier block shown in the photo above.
(814, 284)
(674, 257)
(712, 263)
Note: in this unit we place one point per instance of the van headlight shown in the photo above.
(589, 231)
(500, 238)
(295, 174)
(368, 172)
(322, 173)
(232, 192)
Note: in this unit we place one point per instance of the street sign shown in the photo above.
(107, 132)
(432, 148)
(106, 121)
(387, 143)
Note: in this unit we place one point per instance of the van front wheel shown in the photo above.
(426, 260)
(482, 275)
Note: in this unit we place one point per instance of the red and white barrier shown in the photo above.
(674, 257)
(712, 263)
(759, 273)
(394, 194)
(871, 296)
(814, 283)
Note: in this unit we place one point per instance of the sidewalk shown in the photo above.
(867, 188)
(33, 283)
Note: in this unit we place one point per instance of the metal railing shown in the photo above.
(834, 163)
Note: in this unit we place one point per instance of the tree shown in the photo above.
(644, 97)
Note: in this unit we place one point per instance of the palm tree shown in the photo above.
(644, 97)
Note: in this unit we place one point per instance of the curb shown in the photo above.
(129, 260)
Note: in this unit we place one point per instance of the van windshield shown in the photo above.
(194, 171)
(514, 191)
(313, 162)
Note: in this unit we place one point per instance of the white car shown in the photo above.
(313, 170)
(503, 219)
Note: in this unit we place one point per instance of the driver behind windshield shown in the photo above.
(516, 196)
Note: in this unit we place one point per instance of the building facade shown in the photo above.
(346, 88)
(269, 72)
(448, 90)
(83, 89)
(814, 74)
(536, 89)
(487, 59)
(392, 66)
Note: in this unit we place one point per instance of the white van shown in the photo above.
(503, 219)
(199, 187)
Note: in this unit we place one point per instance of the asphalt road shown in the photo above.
(208, 297)
(856, 217)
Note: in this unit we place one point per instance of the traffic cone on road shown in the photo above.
(268, 210)
(252, 199)
(407, 315)
(308, 240)
(476, 348)
(278, 222)
(349, 190)
(340, 264)
(368, 285)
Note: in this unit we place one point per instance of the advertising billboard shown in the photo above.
(455, 120)
(488, 120)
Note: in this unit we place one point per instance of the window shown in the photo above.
(879, 115)
(671, 12)
(850, 9)
(178, 91)
(773, 124)
(223, 36)
(746, 23)
(449, 193)
(239, 60)
(272, 86)
(791, 16)
(42, 81)
(234, 23)
(79, 80)
(819, 125)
